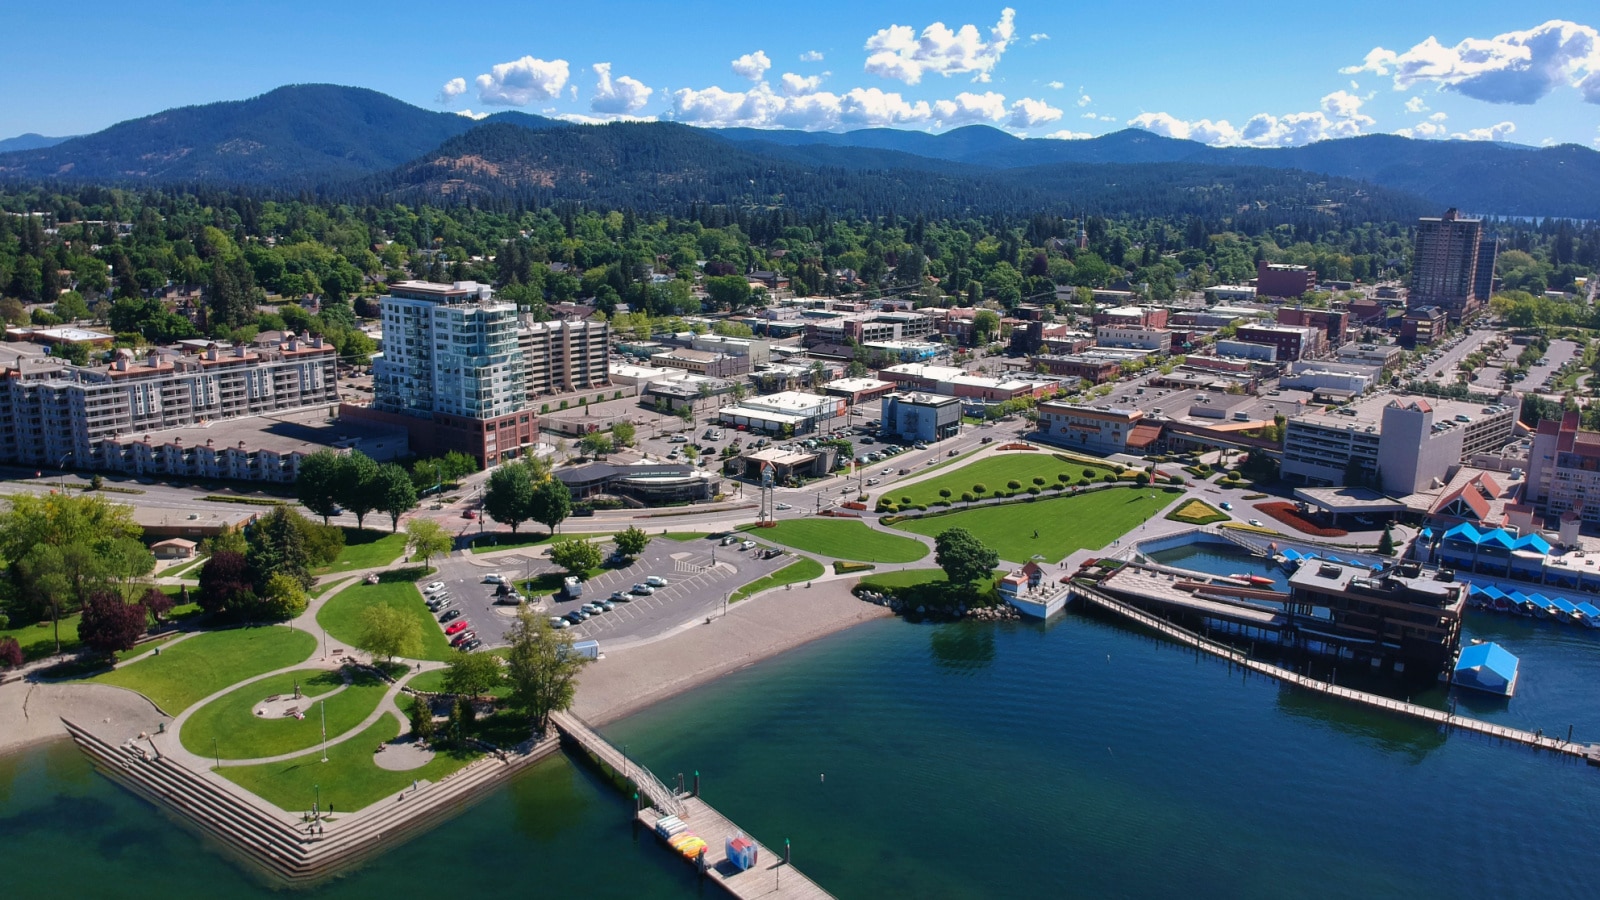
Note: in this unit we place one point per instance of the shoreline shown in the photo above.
(639, 676)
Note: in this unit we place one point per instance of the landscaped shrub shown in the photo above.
(967, 497)
(1038, 480)
(922, 507)
(1034, 490)
(1014, 485)
(1063, 477)
(980, 488)
(945, 493)
(1089, 473)
(905, 500)
(1083, 482)
(1108, 478)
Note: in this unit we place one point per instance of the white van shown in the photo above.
(573, 587)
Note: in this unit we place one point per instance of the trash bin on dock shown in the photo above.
(742, 852)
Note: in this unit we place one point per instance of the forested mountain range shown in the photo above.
(29, 141)
(346, 141)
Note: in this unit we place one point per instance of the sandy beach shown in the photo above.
(31, 713)
(631, 678)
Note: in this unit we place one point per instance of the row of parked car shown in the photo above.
(595, 607)
(453, 620)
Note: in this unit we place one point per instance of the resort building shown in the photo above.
(1093, 429)
(1564, 469)
(1406, 444)
(563, 356)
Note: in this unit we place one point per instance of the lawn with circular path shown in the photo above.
(348, 781)
(239, 733)
(842, 539)
(341, 615)
(1052, 528)
(198, 667)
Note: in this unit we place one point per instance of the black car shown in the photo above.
(471, 645)
(450, 615)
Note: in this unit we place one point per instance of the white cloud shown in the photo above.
(523, 81)
(1027, 113)
(898, 52)
(1084, 100)
(581, 119)
(1099, 117)
(1515, 67)
(873, 106)
(474, 116)
(452, 89)
(618, 95)
(761, 107)
(811, 56)
(1340, 116)
(1055, 85)
(1037, 37)
(1416, 105)
(1498, 132)
(968, 108)
(1065, 135)
(795, 85)
(752, 65)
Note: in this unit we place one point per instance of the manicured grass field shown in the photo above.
(684, 536)
(842, 539)
(207, 663)
(39, 640)
(433, 682)
(803, 569)
(929, 586)
(365, 548)
(1198, 512)
(190, 569)
(341, 615)
(1063, 524)
(993, 472)
(348, 781)
(240, 734)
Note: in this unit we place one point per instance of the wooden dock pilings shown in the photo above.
(1587, 752)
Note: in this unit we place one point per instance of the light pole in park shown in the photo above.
(324, 707)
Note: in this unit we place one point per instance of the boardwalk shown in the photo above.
(1588, 752)
(770, 877)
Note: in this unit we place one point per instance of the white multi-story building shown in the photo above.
(1407, 442)
(1564, 469)
(563, 356)
(1133, 337)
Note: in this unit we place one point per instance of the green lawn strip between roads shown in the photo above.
(348, 781)
(1063, 525)
(803, 569)
(365, 548)
(842, 539)
(684, 536)
(241, 734)
(993, 473)
(340, 616)
(207, 663)
(433, 683)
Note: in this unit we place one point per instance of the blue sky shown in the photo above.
(1261, 74)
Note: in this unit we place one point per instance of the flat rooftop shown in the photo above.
(305, 430)
(1369, 410)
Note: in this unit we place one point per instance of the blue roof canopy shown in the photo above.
(1491, 656)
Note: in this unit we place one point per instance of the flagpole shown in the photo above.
(324, 706)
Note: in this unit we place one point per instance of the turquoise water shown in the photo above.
(968, 760)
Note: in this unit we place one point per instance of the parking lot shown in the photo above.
(699, 573)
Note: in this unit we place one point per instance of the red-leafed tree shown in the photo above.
(225, 583)
(10, 653)
(110, 623)
(156, 602)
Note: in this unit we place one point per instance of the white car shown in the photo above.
(558, 623)
(1257, 523)
(492, 578)
(747, 545)
(656, 581)
(783, 506)
(433, 586)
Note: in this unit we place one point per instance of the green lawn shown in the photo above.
(348, 781)
(365, 548)
(341, 615)
(1062, 524)
(39, 640)
(433, 682)
(929, 587)
(207, 663)
(803, 569)
(684, 536)
(240, 734)
(189, 569)
(842, 539)
(993, 472)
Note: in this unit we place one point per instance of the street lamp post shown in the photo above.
(324, 706)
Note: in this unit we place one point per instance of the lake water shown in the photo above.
(968, 760)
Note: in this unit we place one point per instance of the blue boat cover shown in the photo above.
(1566, 606)
(1290, 555)
(1334, 559)
(1494, 593)
(1489, 656)
(1589, 609)
(1517, 597)
(1474, 590)
(1427, 533)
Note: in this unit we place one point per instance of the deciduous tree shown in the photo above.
(576, 555)
(963, 557)
(387, 632)
(111, 624)
(360, 490)
(396, 494)
(632, 541)
(428, 539)
(541, 667)
(317, 483)
(508, 497)
(474, 674)
(552, 503)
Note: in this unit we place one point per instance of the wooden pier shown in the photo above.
(1587, 752)
(771, 877)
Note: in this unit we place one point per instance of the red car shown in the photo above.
(463, 637)
(469, 514)
(457, 627)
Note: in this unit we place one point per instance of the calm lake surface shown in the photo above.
(968, 760)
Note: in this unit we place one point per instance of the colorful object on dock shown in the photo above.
(742, 852)
(1487, 667)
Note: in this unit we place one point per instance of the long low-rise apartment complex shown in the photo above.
(53, 412)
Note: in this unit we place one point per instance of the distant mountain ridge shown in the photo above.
(323, 136)
(29, 141)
